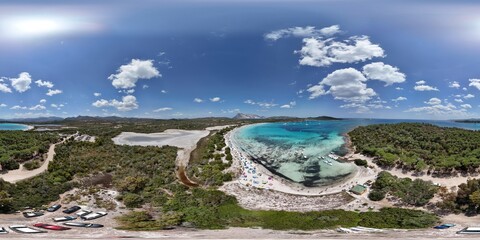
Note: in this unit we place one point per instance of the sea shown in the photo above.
(305, 152)
(12, 127)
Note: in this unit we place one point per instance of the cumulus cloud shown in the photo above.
(345, 84)
(320, 53)
(458, 100)
(399, 88)
(308, 31)
(399, 99)
(97, 94)
(215, 99)
(163, 109)
(37, 107)
(421, 82)
(128, 103)
(434, 101)
(289, 105)
(198, 100)
(439, 110)
(163, 91)
(261, 104)
(128, 75)
(466, 106)
(3, 105)
(43, 100)
(383, 72)
(22, 83)
(4, 88)
(421, 86)
(46, 84)
(454, 84)
(53, 92)
(474, 83)
(17, 107)
(468, 96)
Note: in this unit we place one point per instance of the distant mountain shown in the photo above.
(326, 118)
(247, 116)
(33, 120)
(471, 120)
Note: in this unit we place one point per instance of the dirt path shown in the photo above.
(22, 173)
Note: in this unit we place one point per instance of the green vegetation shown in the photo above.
(465, 199)
(30, 165)
(416, 192)
(206, 161)
(416, 146)
(20, 146)
(360, 162)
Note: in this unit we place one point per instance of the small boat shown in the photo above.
(92, 216)
(83, 213)
(51, 227)
(54, 208)
(32, 214)
(3, 230)
(85, 225)
(63, 219)
(25, 229)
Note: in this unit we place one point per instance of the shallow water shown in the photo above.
(12, 126)
(299, 151)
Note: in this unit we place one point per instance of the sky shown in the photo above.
(186, 59)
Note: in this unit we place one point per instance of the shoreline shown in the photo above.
(257, 176)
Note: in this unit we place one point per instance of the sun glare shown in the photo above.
(29, 27)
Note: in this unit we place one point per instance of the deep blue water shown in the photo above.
(12, 126)
(299, 151)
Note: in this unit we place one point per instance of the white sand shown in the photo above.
(172, 137)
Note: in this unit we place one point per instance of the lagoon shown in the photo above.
(13, 127)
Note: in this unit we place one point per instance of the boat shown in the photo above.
(71, 209)
(51, 227)
(83, 213)
(63, 219)
(25, 229)
(32, 214)
(3, 230)
(54, 208)
(92, 216)
(85, 225)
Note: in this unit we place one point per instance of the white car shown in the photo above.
(94, 215)
(82, 213)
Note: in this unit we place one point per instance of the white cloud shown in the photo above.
(215, 99)
(37, 107)
(345, 84)
(43, 101)
(41, 83)
(3, 105)
(474, 83)
(198, 100)
(424, 88)
(163, 91)
(454, 84)
(421, 82)
(383, 72)
(464, 89)
(128, 75)
(53, 92)
(440, 110)
(399, 88)
(399, 99)
(162, 109)
(308, 31)
(22, 83)
(262, 104)
(468, 96)
(4, 88)
(145, 86)
(17, 107)
(466, 106)
(289, 105)
(128, 103)
(458, 100)
(97, 94)
(434, 101)
(320, 53)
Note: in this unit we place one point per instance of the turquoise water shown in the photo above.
(12, 126)
(299, 151)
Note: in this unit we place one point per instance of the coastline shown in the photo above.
(254, 175)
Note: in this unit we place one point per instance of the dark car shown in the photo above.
(51, 227)
(71, 209)
(441, 227)
(54, 208)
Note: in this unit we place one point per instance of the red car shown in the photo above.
(51, 227)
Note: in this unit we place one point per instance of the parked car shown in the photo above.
(51, 227)
(83, 213)
(64, 218)
(32, 214)
(85, 225)
(92, 216)
(71, 209)
(441, 227)
(54, 208)
(25, 229)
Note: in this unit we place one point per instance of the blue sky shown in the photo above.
(184, 59)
